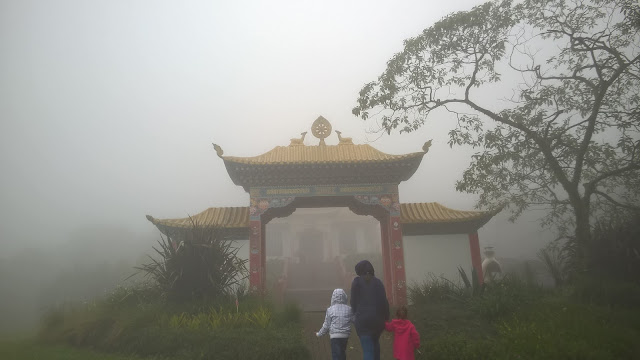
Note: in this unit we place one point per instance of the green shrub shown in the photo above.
(241, 344)
(203, 265)
(455, 346)
(216, 319)
(182, 330)
(563, 330)
(505, 296)
(615, 247)
(546, 329)
(434, 320)
(289, 314)
(434, 288)
(29, 350)
(491, 300)
(604, 290)
(515, 319)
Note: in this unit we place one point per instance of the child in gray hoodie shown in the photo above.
(338, 323)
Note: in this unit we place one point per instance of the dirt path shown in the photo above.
(320, 348)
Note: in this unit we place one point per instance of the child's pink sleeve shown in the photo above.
(389, 326)
(415, 337)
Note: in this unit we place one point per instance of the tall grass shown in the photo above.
(128, 322)
(217, 319)
(434, 289)
(28, 350)
(515, 318)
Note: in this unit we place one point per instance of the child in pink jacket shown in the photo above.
(405, 336)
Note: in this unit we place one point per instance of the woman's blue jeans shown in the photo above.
(370, 347)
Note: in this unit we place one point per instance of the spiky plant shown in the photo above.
(473, 286)
(201, 265)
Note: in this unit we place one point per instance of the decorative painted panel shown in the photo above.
(264, 198)
(388, 201)
(397, 262)
(255, 256)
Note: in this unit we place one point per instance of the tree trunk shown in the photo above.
(582, 237)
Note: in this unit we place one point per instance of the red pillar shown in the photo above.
(398, 276)
(386, 257)
(263, 259)
(476, 260)
(256, 256)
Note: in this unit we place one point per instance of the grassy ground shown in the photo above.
(513, 320)
(29, 350)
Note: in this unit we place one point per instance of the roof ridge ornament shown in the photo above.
(344, 140)
(321, 128)
(426, 146)
(218, 149)
(298, 141)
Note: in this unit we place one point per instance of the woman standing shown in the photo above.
(371, 308)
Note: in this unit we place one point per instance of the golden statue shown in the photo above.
(298, 142)
(343, 140)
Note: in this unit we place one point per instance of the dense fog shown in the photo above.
(108, 111)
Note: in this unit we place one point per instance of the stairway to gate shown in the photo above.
(320, 347)
(311, 285)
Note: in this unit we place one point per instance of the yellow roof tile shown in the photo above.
(421, 213)
(343, 153)
(411, 213)
(222, 217)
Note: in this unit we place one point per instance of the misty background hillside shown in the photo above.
(108, 111)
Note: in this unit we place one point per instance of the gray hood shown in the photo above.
(339, 296)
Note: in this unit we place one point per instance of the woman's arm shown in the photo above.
(384, 303)
(355, 295)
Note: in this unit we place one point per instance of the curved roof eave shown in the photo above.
(410, 214)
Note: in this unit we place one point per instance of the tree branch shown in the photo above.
(577, 174)
(613, 201)
(593, 183)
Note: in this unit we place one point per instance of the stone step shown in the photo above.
(319, 276)
(310, 299)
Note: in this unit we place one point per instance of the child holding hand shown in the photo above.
(405, 336)
(337, 323)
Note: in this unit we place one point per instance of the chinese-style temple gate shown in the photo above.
(344, 175)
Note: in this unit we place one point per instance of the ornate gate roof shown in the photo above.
(345, 163)
(300, 164)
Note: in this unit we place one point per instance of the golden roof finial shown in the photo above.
(218, 149)
(343, 140)
(321, 128)
(298, 142)
(426, 146)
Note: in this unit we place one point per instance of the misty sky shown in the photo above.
(108, 108)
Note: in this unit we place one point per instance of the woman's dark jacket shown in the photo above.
(368, 301)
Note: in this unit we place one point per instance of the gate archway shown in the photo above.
(359, 177)
(379, 201)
